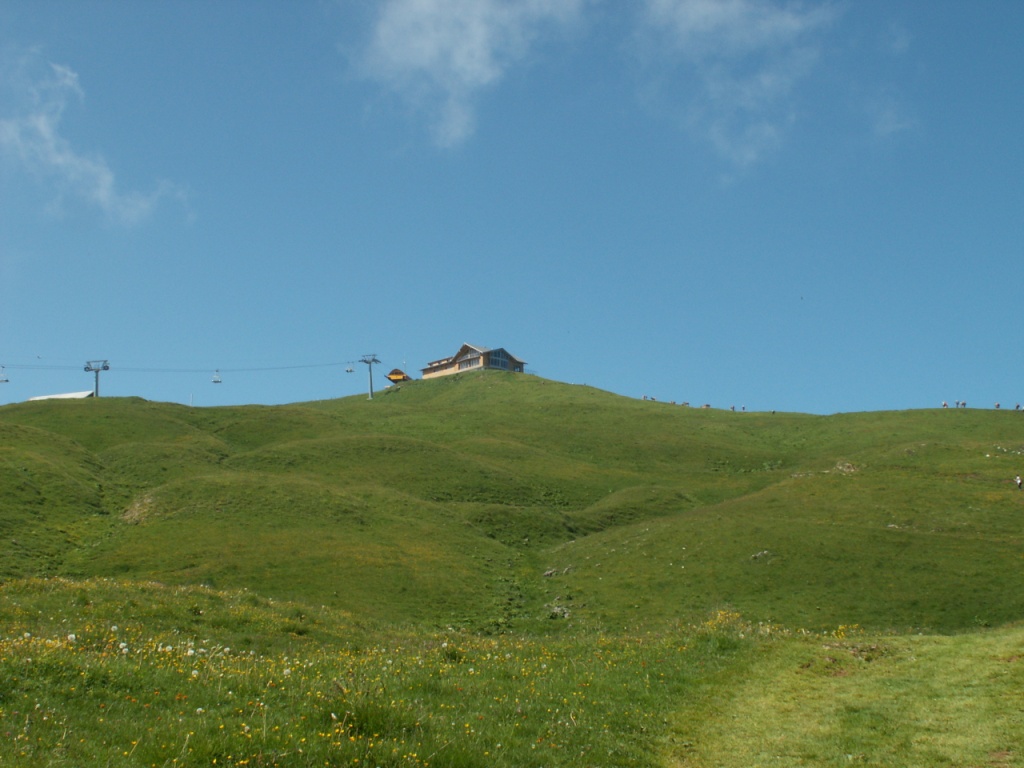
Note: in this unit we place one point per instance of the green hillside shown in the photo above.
(495, 501)
(501, 570)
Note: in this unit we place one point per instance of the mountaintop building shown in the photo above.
(65, 396)
(472, 358)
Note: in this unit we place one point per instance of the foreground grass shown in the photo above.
(866, 700)
(121, 674)
(78, 689)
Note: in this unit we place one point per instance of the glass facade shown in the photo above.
(472, 358)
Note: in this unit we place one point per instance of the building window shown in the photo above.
(498, 359)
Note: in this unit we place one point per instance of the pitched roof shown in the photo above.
(471, 350)
(65, 396)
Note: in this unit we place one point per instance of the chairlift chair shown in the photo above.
(216, 377)
(3, 376)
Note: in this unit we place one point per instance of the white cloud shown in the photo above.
(719, 28)
(896, 39)
(440, 54)
(36, 96)
(888, 116)
(748, 57)
(886, 110)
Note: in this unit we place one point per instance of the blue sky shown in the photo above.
(769, 204)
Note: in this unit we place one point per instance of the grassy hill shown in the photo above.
(494, 500)
(467, 570)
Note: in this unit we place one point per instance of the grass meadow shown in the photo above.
(502, 570)
(163, 687)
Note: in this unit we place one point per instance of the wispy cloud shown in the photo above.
(747, 57)
(439, 55)
(887, 111)
(36, 95)
(896, 39)
(888, 115)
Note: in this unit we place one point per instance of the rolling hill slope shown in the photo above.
(493, 501)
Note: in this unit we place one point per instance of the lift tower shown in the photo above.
(370, 360)
(95, 366)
